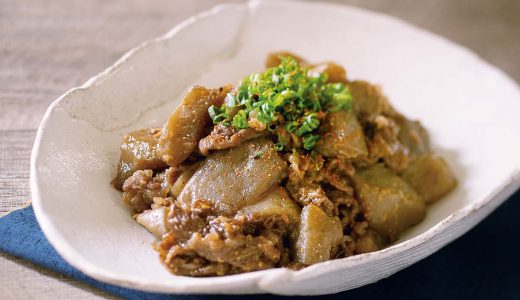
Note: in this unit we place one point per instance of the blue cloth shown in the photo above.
(483, 264)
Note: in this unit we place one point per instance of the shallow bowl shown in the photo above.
(469, 107)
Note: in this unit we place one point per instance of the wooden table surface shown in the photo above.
(48, 47)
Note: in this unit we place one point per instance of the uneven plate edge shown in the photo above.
(47, 226)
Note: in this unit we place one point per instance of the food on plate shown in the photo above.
(293, 166)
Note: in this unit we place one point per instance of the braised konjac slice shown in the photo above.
(368, 99)
(343, 137)
(335, 73)
(183, 178)
(389, 203)
(188, 124)
(431, 177)
(318, 237)
(413, 135)
(138, 152)
(370, 242)
(276, 204)
(230, 179)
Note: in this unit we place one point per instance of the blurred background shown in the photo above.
(48, 47)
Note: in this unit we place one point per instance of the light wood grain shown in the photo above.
(23, 280)
(48, 47)
(15, 149)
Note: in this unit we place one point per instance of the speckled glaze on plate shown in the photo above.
(469, 107)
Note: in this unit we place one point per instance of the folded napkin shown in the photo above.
(483, 264)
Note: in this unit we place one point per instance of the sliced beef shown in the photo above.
(384, 144)
(338, 173)
(224, 137)
(153, 220)
(187, 262)
(244, 251)
(203, 245)
(142, 187)
(311, 193)
(349, 211)
(305, 168)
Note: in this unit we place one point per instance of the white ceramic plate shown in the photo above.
(470, 108)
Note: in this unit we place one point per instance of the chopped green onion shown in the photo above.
(240, 120)
(285, 96)
(231, 100)
(309, 140)
(216, 114)
(310, 123)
